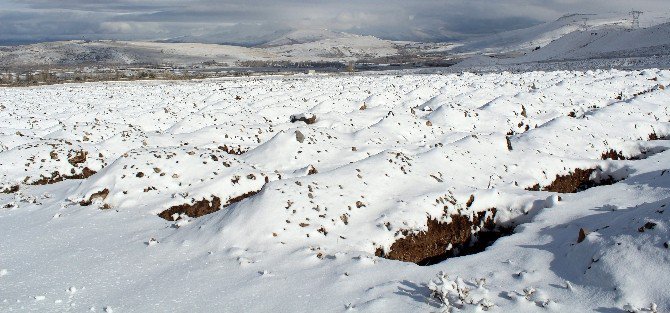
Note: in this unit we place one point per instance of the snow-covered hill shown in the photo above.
(603, 42)
(600, 43)
(295, 47)
(329, 46)
(528, 39)
(539, 191)
(101, 53)
(302, 36)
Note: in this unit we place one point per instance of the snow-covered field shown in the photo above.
(318, 187)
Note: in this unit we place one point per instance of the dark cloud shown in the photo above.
(240, 20)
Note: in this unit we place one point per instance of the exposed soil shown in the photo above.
(535, 187)
(197, 209)
(102, 195)
(307, 120)
(576, 181)
(58, 177)
(241, 197)
(10, 189)
(203, 207)
(654, 136)
(613, 155)
(582, 235)
(77, 157)
(431, 247)
(231, 150)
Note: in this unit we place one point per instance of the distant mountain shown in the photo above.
(604, 42)
(302, 36)
(527, 39)
(296, 46)
(246, 36)
(325, 44)
(601, 42)
(67, 53)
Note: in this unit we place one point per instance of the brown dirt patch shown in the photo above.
(241, 197)
(576, 181)
(10, 189)
(102, 195)
(232, 150)
(197, 209)
(535, 187)
(613, 155)
(77, 157)
(204, 206)
(654, 136)
(58, 177)
(430, 247)
(301, 118)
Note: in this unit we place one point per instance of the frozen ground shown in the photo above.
(99, 181)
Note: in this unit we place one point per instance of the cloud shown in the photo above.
(393, 19)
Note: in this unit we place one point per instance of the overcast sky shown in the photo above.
(240, 20)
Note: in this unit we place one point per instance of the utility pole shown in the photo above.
(635, 21)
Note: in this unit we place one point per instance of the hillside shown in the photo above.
(338, 47)
(102, 53)
(597, 44)
(302, 36)
(298, 46)
(527, 39)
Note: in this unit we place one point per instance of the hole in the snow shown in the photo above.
(462, 236)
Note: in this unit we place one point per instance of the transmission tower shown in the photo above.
(635, 22)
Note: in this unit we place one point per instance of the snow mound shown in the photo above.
(529, 191)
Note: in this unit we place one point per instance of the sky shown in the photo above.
(253, 21)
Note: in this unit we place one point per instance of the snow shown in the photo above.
(305, 206)
(301, 36)
(342, 47)
(524, 40)
(306, 47)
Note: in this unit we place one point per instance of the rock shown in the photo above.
(582, 235)
(299, 136)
